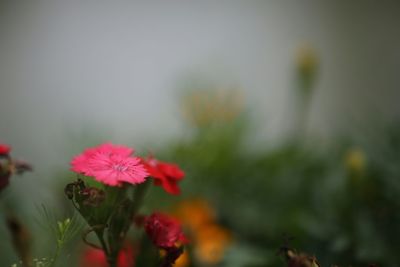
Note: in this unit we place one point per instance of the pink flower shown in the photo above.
(164, 231)
(110, 164)
(4, 149)
(165, 174)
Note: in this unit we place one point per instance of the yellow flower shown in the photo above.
(355, 161)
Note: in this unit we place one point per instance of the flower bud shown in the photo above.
(93, 196)
(307, 66)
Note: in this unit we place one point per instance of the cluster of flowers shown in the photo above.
(111, 206)
(114, 165)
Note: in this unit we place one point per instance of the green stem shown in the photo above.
(103, 242)
(115, 243)
(139, 194)
(304, 110)
(112, 261)
(56, 255)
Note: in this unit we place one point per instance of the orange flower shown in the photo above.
(195, 213)
(210, 240)
(183, 260)
(211, 243)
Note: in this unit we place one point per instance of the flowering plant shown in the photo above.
(109, 190)
(19, 235)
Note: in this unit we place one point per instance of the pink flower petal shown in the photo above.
(110, 164)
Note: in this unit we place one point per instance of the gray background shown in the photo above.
(112, 69)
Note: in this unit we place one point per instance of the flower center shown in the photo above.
(119, 167)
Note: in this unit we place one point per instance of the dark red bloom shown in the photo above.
(165, 174)
(4, 149)
(164, 231)
(97, 258)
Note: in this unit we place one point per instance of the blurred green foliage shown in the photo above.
(337, 201)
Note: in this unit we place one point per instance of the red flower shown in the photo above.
(5, 171)
(164, 231)
(165, 174)
(97, 258)
(4, 149)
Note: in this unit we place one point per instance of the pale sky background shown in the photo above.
(114, 66)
